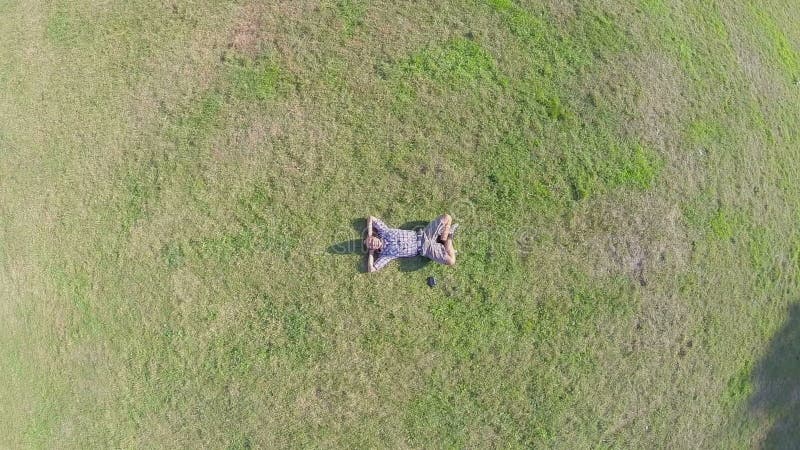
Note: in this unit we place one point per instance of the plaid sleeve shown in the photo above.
(382, 261)
(379, 226)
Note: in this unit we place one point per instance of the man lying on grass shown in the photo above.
(435, 242)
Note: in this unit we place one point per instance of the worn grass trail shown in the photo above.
(175, 179)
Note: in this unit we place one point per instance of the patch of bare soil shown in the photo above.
(627, 252)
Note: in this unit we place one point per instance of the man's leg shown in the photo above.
(435, 251)
(436, 228)
(441, 252)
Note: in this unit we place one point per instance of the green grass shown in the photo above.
(780, 47)
(182, 183)
(352, 13)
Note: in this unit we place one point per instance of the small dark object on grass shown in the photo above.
(431, 281)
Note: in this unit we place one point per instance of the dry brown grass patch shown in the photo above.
(662, 101)
(642, 246)
(248, 30)
(763, 83)
(562, 10)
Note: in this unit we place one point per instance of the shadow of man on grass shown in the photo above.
(776, 381)
(353, 246)
(356, 247)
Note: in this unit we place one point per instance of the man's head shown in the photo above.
(373, 243)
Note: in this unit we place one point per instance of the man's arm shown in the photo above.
(369, 226)
(370, 262)
(377, 225)
(446, 222)
(450, 256)
(446, 231)
(380, 263)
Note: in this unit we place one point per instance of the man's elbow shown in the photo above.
(449, 260)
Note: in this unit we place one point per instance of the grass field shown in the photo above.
(182, 183)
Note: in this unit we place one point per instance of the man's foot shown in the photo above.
(453, 229)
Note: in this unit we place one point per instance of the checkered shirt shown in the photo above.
(396, 243)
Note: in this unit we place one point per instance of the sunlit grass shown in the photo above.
(182, 185)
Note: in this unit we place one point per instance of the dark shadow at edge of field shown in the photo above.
(776, 381)
(356, 247)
